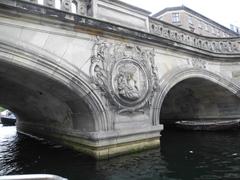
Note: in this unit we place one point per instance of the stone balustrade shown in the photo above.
(74, 6)
(116, 11)
(140, 20)
(216, 45)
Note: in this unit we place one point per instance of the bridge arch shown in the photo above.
(66, 85)
(176, 76)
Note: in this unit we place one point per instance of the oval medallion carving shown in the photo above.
(125, 74)
(129, 82)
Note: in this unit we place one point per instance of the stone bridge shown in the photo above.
(105, 77)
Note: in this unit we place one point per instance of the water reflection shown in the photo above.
(202, 155)
(183, 155)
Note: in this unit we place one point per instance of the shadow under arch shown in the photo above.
(17, 58)
(178, 75)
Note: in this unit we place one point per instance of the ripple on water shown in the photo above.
(182, 155)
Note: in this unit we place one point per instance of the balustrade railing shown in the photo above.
(74, 6)
(216, 45)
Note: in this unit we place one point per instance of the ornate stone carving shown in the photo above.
(127, 81)
(50, 3)
(82, 7)
(217, 45)
(66, 5)
(125, 73)
(198, 63)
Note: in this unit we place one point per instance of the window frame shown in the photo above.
(175, 17)
(190, 19)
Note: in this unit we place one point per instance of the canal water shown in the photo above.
(182, 155)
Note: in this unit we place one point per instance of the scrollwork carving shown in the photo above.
(125, 73)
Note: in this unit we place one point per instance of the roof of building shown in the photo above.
(177, 8)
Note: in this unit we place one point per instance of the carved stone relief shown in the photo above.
(66, 5)
(125, 73)
(50, 3)
(198, 63)
(82, 7)
(220, 45)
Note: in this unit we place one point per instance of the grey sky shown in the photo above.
(225, 12)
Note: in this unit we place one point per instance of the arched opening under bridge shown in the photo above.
(199, 99)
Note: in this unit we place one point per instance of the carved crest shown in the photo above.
(125, 73)
(198, 63)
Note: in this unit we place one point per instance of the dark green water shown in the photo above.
(182, 155)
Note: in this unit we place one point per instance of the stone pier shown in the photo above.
(105, 77)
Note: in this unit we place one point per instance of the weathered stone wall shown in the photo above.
(52, 62)
(97, 86)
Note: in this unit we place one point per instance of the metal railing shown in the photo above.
(32, 177)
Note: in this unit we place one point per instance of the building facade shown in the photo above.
(235, 28)
(191, 20)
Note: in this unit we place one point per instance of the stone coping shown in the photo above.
(161, 34)
(217, 45)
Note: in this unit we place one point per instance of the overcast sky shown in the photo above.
(225, 12)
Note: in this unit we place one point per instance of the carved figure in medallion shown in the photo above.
(125, 74)
(127, 84)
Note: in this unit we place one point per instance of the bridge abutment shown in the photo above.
(99, 145)
(98, 84)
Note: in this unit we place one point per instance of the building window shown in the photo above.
(190, 21)
(235, 28)
(200, 25)
(209, 28)
(203, 26)
(192, 29)
(206, 28)
(213, 30)
(175, 17)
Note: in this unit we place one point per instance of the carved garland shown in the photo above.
(125, 73)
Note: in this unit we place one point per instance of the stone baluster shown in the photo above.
(66, 5)
(82, 7)
(49, 3)
(90, 7)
